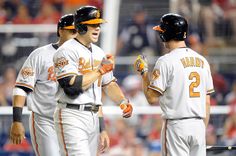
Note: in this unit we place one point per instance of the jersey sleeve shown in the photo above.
(158, 79)
(107, 78)
(28, 74)
(64, 64)
(209, 81)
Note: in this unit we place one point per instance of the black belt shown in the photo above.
(185, 118)
(87, 107)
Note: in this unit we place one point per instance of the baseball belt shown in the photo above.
(185, 118)
(88, 107)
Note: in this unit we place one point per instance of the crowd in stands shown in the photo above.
(140, 135)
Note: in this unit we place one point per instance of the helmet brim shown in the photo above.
(69, 27)
(94, 21)
(158, 28)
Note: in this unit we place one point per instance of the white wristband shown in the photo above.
(19, 91)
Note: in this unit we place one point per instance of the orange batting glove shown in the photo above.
(140, 64)
(127, 108)
(107, 65)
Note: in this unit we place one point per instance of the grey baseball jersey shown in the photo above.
(37, 74)
(78, 130)
(183, 79)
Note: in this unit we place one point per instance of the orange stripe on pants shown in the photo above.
(34, 133)
(62, 132)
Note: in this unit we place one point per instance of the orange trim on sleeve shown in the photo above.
(24, 85)
(156, 89)
(210, 91)
(65, 75)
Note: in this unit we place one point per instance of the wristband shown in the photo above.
(101, 124)
(125, 101)
(17, 114)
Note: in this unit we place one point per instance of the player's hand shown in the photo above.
(17, 133)
(127, 109)
(140, 64)
(104, 142)
(107, 64)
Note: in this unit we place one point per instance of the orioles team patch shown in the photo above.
(61, 62)
(155, 74)
(26, 72)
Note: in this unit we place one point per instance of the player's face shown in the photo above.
(93, 32)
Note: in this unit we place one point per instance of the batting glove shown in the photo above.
(107, 65)
(141, 65)
(127, 109)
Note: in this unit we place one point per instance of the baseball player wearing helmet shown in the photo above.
(181, 81)
(83, 71)
(36, 83)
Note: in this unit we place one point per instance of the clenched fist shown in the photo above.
(127, 109)
(140, 64)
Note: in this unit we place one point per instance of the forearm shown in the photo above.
(146, 82)
(206, 120)
(90, 78)
(18, 101)
(152, 96)
(114, 92)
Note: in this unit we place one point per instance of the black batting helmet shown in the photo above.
(172, 27)
(87, 15)
(66, 22)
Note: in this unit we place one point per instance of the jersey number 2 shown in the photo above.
(194, 84)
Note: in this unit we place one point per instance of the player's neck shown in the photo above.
(83, 41)
(175, 44)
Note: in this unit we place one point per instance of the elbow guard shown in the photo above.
(72, 90)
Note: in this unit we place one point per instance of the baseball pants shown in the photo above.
(77, 131)
(183, 137)
(43, 135)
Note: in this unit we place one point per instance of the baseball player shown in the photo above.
(36, 82)
(83, 70)
(181, 81)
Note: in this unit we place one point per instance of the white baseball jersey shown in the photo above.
(77, 130)
(73, 58)
(183, 78)
(37, 74)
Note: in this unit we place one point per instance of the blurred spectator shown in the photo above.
(3, 13)
(132, 85)
(22, 16)
(72, 5)
(137, 36)
(129, 145)
(47, 15)
(230, 98)
(7, 83)
(220, 84)
(117, 131)
(154, 137)
(229, 131)
(218, 12)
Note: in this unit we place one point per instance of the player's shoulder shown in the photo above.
(38, 52)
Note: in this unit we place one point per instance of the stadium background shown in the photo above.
(28, 24)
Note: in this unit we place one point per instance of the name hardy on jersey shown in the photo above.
(192, 62)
